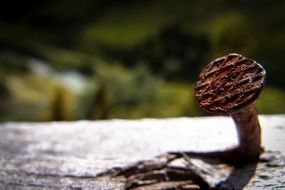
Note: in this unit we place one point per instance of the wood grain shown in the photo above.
(95, 155)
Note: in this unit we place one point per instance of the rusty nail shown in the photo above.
(228, 86)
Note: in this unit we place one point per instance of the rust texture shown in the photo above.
(249, 133)
(229, 83)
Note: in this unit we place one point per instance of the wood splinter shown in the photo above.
(228, 86)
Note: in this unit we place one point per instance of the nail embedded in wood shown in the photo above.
(229, 85)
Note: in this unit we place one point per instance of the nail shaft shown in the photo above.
(249, 132)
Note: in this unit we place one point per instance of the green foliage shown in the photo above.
(271, 101)
(27, 98)
(119, 91)
(137, 58)
(168, 100)
(12, 63)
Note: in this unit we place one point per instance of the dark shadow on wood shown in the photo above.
(239, 177)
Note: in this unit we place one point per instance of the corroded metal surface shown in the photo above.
(229, 83)
(249, 133)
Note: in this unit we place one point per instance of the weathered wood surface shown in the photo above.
(120, 154)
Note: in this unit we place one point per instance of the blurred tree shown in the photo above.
(100, 104)
(59, 108)
(4, 91)
(4, 97)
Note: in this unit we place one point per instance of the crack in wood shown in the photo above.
(181, 171)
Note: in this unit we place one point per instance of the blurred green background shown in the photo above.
(101, 59)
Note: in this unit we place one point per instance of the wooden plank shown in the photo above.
(91, 155)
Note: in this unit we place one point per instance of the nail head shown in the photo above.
(229, 83)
